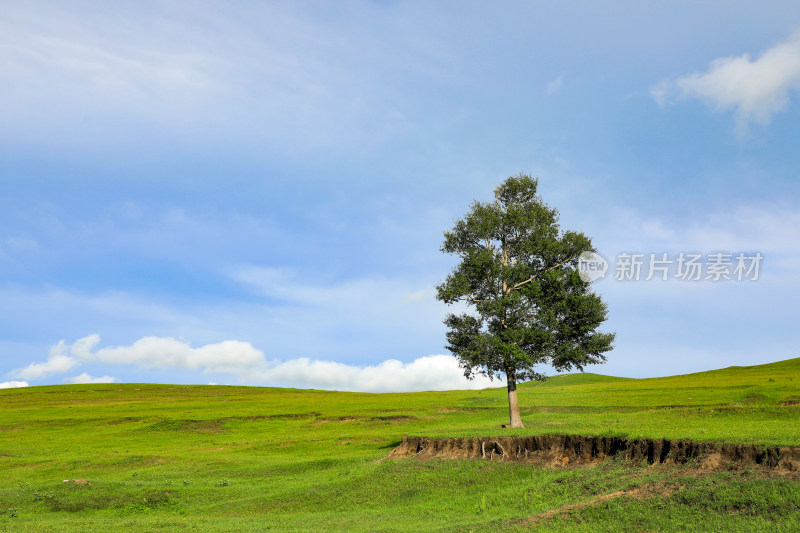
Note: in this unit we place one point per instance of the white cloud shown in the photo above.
(355, 296)
(57, 362)
(13, 384)
(348, 321)
(434, 372)
(554, 86)
(229, 357)
(86, 378)
(421, 295)
(58, 59)
(249, 366)
(754, 89)
(661, 92)
(772, 228)
(212, 69)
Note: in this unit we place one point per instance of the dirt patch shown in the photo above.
(280, 416)
(140, 460)
(563, 450)
(218, 425)
(196, 426)
(118, 421)
(79, 481)
(661, 490)
(712, 462)
(755, 398)
(319, 421)
(789, 402)
(385, 418)
(395, 418)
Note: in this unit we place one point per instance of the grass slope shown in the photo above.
(579, 378)
(217, 458)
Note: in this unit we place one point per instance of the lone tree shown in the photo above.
(519, 273)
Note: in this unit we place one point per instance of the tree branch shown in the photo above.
(521, 283)
(470, 298)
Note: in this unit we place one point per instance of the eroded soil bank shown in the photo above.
(561, 450)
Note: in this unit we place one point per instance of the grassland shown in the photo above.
(218, 458)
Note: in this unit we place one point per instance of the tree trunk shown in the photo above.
(515, 421)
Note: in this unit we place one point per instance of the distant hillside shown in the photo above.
(788, 368)
(729, 375)
(578, 378)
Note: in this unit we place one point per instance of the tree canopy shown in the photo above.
(518, 273)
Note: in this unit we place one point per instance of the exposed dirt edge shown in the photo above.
(561, 450)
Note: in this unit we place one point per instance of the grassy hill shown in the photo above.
(578, 378)
(220, 458)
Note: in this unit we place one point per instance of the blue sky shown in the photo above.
(256, 193)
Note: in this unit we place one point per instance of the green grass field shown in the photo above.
(218, 458)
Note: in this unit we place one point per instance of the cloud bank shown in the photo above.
(58, 362)
(754, 89)
(247, 365)
(86, 378)
(434, 372)
(13, 384)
